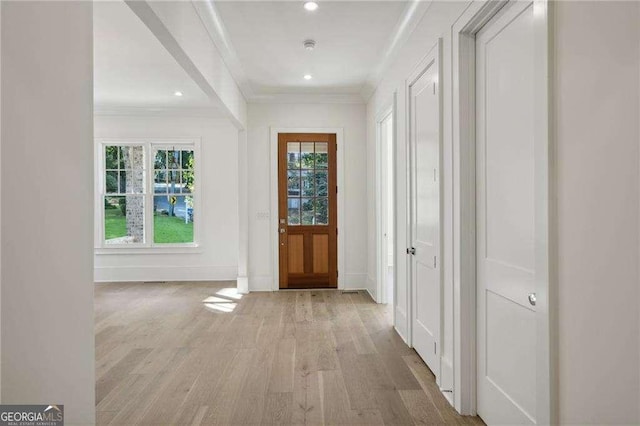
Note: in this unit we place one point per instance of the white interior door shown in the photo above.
(425, 214)
(506, 217)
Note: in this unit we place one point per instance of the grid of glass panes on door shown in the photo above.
(307, 183)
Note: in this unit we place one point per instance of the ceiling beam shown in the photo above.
(217, 87)
(219, 35)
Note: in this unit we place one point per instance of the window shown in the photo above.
(148, 193)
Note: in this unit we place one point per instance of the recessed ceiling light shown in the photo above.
(309, 44)
(177, 93)
(311, 5)
(308, 77)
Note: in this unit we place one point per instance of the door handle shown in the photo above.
(282, 230)
(411, 251)
(532, 299)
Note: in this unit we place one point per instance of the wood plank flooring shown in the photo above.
(200, 354)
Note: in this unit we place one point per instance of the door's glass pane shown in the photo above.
(322, 183)
(307, 183)
(322, 211)
(293, 183)
(111, 182)
(124, 219)
(307, 155)
(172, 219)
(322, 156)
(293, 211)
(307, 216)
(293, 155)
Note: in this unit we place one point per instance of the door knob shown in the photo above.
(532, 299)
(282, 230)
(411, 251)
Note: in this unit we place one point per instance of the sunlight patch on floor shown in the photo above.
(224, 300)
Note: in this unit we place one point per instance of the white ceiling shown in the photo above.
(268, 40)
(132, 69)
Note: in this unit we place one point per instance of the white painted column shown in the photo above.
(47, 206)
(243, 213)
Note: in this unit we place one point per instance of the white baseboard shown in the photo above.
(372, 286)
(243, 284)
(165, 273)
(261, 283)
(371, 295)
(446, 378)
(353, 281)
(402, 325)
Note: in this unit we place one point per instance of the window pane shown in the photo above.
(124, 219)
(322, 216)
(322, 158)
(293, 155)
(188, 181)
(293, 183)
(307, 183)
(293, 214)
(111, 182)
(111, 157)
(121, 154)
(307, 155)
(132, 157)
(160, 182)
(173, 159)
(187, 160)
(173, 219)
(307, 211)
(132, 181)
(161, 160)
(173, 186)
(321, 183)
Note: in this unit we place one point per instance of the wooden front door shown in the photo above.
(307, 208)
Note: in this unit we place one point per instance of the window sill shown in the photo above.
(175, 249)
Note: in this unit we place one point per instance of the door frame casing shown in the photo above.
(463, 32)
(273, 194)
(432, 58)
(381, 216)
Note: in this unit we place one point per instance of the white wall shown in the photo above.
(597, 56)
(47, 217)
(350, 117)
(216, 258)
(436, 23)
(597, 82)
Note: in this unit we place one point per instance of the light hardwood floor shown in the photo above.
(198, 353)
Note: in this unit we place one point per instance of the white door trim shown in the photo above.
(463, 31)
(381, 213)
(273, 235)
(434, 56)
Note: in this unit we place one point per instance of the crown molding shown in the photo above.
(212, 21)
(307, 98)
(102, 110)
(412, 15)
